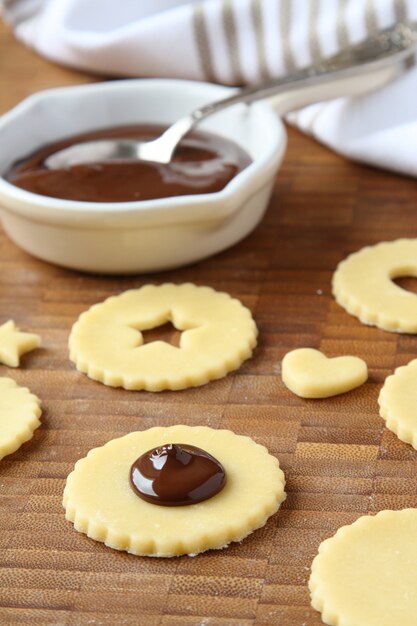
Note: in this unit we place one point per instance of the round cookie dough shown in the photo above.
(398, 400)
(19, 415)
(101, 503)
(365, 575)
(218, 335)
(363, 285)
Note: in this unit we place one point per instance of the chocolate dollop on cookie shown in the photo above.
(176, 474)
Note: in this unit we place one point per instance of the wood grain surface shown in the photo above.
(339, 460)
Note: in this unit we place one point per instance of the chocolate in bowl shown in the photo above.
(202, 163)
(144, 235)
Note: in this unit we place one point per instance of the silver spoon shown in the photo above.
(368, 65)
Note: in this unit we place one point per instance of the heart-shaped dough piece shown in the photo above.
(311, 374)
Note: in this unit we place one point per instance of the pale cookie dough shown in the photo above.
(363, 285)
(107, 345)
(14, 343)
(19, 415)
(398, 403)
(310, 374)
(100, 501)
(366, 574)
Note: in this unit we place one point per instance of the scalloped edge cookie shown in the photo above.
(398, 400)
(20, 411)
(365, 574)
(219, 333)
(362, 284)
(100, 502)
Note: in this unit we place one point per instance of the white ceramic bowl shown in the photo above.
(138, 236)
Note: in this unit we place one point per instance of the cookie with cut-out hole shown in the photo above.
(363, 284)
(217, 335)
(311, 374)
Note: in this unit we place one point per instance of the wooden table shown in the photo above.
(339, 460)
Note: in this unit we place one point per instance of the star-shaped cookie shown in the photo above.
(14, 343)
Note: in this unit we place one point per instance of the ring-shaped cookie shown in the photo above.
(218, 334)
(365, 574)
(398, 400)
(101, 503)
(19, 415)
(363, 285)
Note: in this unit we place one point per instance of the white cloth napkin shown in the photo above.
(236, 42)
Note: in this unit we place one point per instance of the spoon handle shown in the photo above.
(378, 52)
(363, 67)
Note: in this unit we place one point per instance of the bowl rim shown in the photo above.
(37, 206)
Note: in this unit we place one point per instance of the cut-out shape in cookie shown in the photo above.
(19, 415)
(166, 332)
(14, 343)
(398, 403)
(363, 284)
(218, 334)
(310, 374)
(365, 574)
(101, 502)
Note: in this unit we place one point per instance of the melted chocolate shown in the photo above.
(202, 163)
(176, 474)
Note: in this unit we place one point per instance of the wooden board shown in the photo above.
(339, 460)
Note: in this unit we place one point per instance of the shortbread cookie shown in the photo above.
(19, 415)
(219, 333)
(14, 343)
(365, 574)
(101, 502)
(363, 285)
(398, 401)
(310, 374)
